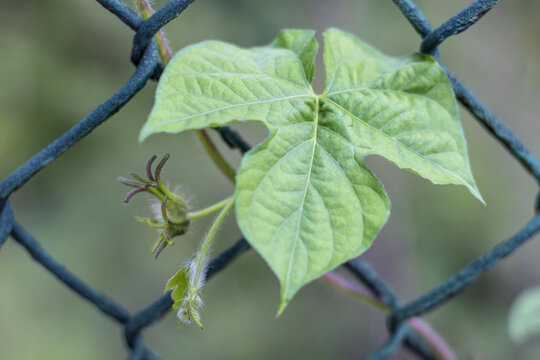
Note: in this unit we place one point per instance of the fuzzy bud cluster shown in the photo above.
(170, 212)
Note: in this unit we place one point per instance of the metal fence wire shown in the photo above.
(145, 56)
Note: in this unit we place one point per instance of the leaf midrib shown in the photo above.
(244, 75)
(369, 84)
(399, 91)
(176, 119)
(301, 209)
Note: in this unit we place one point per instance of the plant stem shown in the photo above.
(216, 156)
(439, 346)
(209, 210)
(165, 55)
(164, 50)
(437, 343)
(353, 289)
(209, 237)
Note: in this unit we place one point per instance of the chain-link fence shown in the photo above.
(145, 56)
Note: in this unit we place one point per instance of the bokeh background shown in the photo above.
(59, 59)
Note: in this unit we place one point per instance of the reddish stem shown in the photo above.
(430, 335)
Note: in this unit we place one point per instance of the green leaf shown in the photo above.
(214, 83)
(401, 108)
(524, 317)
(304, 198)
(179, 283)
(302, 43)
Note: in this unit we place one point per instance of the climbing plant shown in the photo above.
(304, 198)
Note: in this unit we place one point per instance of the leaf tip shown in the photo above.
(282, 305)
(476, 193)
(143, 134)
(481, 199)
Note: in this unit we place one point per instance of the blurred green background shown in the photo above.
(59, 59)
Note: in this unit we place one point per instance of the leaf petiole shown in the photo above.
(216, 156)
(209, 210)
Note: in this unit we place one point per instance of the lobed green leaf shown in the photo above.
(304, 198)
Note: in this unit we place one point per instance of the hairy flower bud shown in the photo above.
(170, 211)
